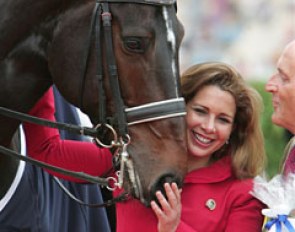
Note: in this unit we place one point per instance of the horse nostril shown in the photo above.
(159, 185)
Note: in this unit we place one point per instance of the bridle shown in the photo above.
(123, 116)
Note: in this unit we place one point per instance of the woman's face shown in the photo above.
(210, 118)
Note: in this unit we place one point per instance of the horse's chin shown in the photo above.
(146, 196)
(134, 182)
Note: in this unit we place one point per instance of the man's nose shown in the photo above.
(271, 85)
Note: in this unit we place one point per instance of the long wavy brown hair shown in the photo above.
(246, 143)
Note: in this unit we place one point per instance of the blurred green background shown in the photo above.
(276, 138)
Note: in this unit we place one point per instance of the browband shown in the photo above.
(149, 2)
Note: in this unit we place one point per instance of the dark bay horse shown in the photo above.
(52, 42)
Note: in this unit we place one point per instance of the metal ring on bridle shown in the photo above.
(111, 179)
(121, 142)
(127, 139)
(115, 136)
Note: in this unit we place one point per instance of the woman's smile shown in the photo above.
(203, 140)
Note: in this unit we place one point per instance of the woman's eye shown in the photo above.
(199, 111)
(134, 44)
(224, 120)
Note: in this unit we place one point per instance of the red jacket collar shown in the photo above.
(218, 171)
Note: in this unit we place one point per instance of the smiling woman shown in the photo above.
(226, 150)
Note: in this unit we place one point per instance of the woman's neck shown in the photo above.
(198, 162)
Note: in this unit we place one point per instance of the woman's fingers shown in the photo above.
(173, 197)
(173, 194)
(168, 210)
(157, 210)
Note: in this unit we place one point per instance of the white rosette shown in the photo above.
(279, 196)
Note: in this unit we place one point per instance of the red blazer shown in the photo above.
(214, 201)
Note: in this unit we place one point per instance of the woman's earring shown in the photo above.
(226, 142)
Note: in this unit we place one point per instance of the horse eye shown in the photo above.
(134, 44)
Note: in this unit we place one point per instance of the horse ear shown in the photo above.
(175, 6)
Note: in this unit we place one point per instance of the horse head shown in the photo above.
(146, 36)
(115, 59)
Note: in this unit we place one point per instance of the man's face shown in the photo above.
(282, 87)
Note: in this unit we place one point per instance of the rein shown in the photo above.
(110, 182)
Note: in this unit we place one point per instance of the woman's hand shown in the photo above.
(169, 213)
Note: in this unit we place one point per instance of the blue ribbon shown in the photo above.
(278, 221)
